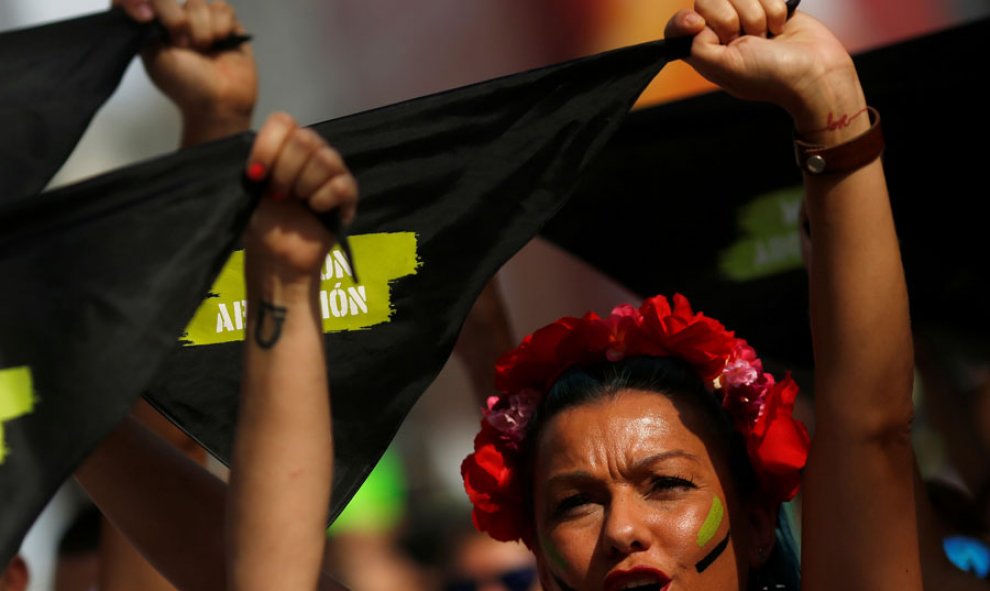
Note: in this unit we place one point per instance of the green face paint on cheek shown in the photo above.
(712, 522)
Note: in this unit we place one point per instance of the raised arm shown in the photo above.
(858, 509)
(169, 507)
(161, 504)
(280, 476)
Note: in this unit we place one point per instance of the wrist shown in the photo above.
(199, 126)
(833, 110)
(274, 281)
(284, 288)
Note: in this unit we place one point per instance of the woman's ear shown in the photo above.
(763, 533)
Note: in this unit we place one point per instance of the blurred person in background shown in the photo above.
(15, 577)
(365, 548)
(956, 398)
(479, 563)
(77, 567)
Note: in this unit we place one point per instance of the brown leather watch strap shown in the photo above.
(844, 157)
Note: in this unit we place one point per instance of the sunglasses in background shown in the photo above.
(971, 555)
(519, 579)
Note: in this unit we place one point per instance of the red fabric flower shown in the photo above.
(779, 443)
(493, 488)
(679, 332)
(530, 364)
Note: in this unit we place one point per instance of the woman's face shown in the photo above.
(632, 492)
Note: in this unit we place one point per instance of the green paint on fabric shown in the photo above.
(16, 398)
(769, 242)
(712, 522)
(344, 305)
(554, 555)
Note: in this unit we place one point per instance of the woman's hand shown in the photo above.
(214, 91)
(284, 240)
(750, 49)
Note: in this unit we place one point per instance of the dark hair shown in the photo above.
(678, 380)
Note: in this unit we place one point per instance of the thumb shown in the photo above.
(684, 23)
(707, 50)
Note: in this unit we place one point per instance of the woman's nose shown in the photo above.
(625, 530)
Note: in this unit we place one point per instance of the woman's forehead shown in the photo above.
(628, 428)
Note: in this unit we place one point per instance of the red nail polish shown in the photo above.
(256, 171)
(278, 195)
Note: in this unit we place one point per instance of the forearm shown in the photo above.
(281, 471)
(484, 337)
(859, 505)
(859, 304)
(168, 506)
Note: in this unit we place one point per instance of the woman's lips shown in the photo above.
(640, 576)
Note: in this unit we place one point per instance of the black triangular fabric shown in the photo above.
(694, 185)
(54, 79)
(101, 277)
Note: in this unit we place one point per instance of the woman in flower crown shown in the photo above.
(650, 449)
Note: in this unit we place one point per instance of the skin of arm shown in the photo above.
(860, 530)
(171, 508)
(283, 449)
(167, 505)
(485, 336)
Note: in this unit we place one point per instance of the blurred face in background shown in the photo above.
(483, 564)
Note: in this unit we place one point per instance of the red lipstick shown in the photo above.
(647, 578)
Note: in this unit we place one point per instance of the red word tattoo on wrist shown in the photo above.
(842, 122)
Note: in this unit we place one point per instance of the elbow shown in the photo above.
(881, 413)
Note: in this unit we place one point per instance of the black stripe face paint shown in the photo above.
(709, 558)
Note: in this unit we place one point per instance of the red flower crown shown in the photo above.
(760, 407)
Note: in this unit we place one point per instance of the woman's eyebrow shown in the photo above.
(663, 457)
(577, 476)
(570, 477)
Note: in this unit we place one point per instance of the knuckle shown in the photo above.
(330, 157)
(282, 119)
(345, 187)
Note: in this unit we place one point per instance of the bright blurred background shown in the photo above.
(321, 59)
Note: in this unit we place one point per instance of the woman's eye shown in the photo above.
(570, 503)
(670, 483)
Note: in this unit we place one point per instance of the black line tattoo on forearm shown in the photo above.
(277, 316)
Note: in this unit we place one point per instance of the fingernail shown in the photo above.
(256, 171)
(693, 19)
(278, 195)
